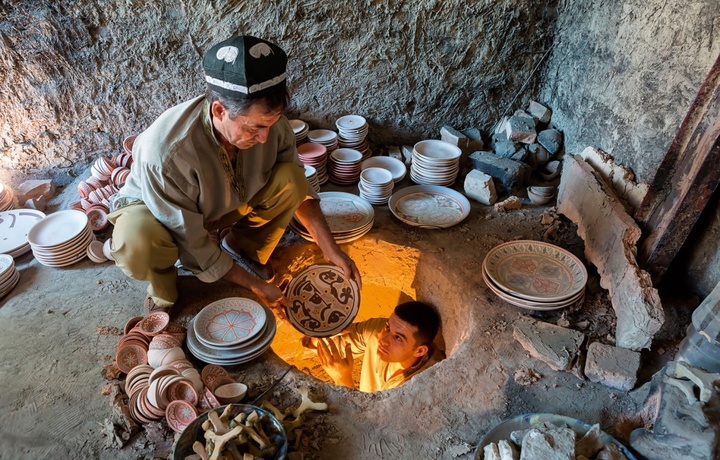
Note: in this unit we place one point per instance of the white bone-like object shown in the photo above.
(307, 404)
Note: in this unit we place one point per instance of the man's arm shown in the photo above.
(337, 366)
(311, 216)
(269, 294)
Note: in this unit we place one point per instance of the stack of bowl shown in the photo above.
(352, 130)
(300, 128)
(325, 137)
(540, 194)
(311, 175)
(376, 185)
(315, 155)
(435, 162)
(61, 239)
(344, 166)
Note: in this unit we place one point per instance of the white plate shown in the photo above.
(429, 206)
(536, 271)
(351, 122)
(437, 150)
(345, 211)
(528, 304)
(14, 228)
(322, 136)
(230, 321)
(57, 228)
(396, 167)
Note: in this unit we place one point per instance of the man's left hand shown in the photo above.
(345, 263)
(337, 366)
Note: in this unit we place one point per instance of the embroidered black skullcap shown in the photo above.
(245, 67)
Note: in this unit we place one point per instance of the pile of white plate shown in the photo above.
(348, 216)
(352, 130)
(7, 198)
(535, 275)
(231, 331)
(314, 155)
(61, 239)
(300, 128)
(9, 276)
(376, 185)
(311, 175)
(396, 167)
(344, 166)
(324, 137)
(14, 228)
(435, 162)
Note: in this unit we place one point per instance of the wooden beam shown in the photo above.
(685, 181)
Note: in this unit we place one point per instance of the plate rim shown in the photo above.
(436, 189)
(206, 309)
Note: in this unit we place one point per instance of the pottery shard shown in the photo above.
(508, 204)
(507, 451)
(554, 345)
(540, 112)
(479, 186)
(454, 137)
(591, 443)
(33, 189)
(610, 236)
(557, 444)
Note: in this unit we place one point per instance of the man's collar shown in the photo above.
(207, 122)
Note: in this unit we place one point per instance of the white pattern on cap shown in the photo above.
(228, 54)
(245, 89)
(260, 49)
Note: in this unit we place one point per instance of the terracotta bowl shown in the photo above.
(128, 144)
(230, 392)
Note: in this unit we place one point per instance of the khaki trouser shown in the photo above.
(145, 250)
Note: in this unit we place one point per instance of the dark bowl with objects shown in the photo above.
(272, 428)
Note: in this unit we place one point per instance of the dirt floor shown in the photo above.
(59, 329)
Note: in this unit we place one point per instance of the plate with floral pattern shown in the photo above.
(229, 322)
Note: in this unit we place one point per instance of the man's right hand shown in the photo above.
(273, 298)
(337, 366)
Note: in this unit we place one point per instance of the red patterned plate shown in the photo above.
(129, 356)
(179, 414)
(184, 391)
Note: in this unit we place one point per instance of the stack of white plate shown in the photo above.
(61, 239)
(344, 166)
(300, 128)
(231, 331)
(324, 137)
(9, 276)
(352, 130)
(535, 275)
(348, 216)
(14, 228)
(435, 162)
(7, 198)
(376, 185)
(311, 175)
(396, 167)
(315, 155)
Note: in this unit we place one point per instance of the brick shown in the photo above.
(540, 112)
(610, 236)
(479, 186)
(508, 149)
(475, 139)
(454, 137)
(519, 129)
(551, 139)
(537, 155)
(510, 174)
(612, 366)
(554, 345)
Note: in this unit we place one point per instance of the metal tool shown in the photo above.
(261, 396)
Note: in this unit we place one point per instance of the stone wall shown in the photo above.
(81, 75)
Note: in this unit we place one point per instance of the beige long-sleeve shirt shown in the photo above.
(376, 374)
(181, 173)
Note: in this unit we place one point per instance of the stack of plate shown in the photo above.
(535, 275)
(322, 301)
(300, 128)
(396, 167)
(435, 162)
(315, 155)
(376, 185)
(344, 166)
(9, 276)
(352, 131)
(61, 239)
(231, 331)
(325, 137)
(311, 175)
(14, 228)
(429, 206)
(348, 216)
(7, 198)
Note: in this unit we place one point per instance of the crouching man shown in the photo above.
(393, 349)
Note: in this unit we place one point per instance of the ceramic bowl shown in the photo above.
(551, 170)
(128, 144)
(230, 392)
(542, 190)
(538, 199)
(107, 249)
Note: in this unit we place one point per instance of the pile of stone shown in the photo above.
(522, 145)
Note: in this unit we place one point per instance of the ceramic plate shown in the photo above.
(322, 301)
(233, 353)
(57, 228)
(396, 167)
(14, 228)
(529, 304)
(230, 321)
(179, 414)
(345, 211)
(533, 270)
(429, 206)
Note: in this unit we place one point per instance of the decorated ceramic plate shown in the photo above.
(345, 211)
(577, 299)
(429, 206)
(14, 226)
(229, 322)
(534, 270)
(322, 301)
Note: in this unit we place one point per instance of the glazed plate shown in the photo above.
(534, 270)
(429, 206)
(523, 422)
(229, 322)
(57, 228)
(14, 228)
(577, 299)
(344, 211)
(322, 301)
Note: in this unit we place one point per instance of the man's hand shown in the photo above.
(346, 264)
(272, 297)
(337, 366)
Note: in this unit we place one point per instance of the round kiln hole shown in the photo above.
(392, 274)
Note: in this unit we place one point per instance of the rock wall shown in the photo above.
(622, 74)
(81, 75)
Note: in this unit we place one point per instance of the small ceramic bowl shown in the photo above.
(551, 170)
(107, 249)
(538, 199)
(128, 144)
(230, 392)
(542, 190)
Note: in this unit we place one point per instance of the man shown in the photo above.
(393, 349)
(226, 160)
